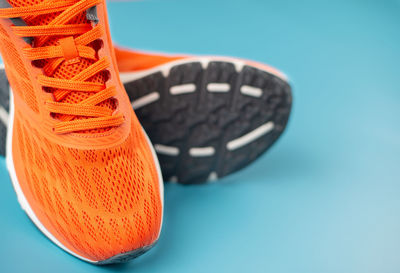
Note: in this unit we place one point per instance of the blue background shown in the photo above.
(325, 198)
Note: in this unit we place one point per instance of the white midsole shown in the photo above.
(24, 202)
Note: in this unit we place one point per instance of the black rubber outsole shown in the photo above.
(201, 109)
(191, 123)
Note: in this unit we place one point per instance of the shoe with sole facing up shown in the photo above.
(207, 116)
(82, 167)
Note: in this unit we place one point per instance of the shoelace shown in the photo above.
(68, 49)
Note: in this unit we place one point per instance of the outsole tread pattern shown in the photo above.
(200, 118)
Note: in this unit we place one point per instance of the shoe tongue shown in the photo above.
(67, 70)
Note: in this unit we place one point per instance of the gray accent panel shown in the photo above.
(3, 136)
(91, 15)
(4, 103)
(4, 4)
(16, 21)
(4, 94)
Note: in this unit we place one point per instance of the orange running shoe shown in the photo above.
(206, 116)
(81, 165)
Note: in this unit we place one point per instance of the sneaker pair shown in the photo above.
(83, 168)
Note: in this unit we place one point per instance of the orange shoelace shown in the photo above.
(68, 49)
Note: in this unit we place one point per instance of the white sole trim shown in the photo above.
(182, 89)
(251, 91)
(250, 137)
(166, 150)
(145, 100)
(218, 87)
(201, 151)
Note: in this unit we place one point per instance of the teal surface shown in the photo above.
(326, 198)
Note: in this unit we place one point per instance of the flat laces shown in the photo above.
(73, 45)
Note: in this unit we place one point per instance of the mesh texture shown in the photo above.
(67, 70)
(109, 196)
(17, 74)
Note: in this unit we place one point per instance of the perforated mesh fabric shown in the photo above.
(99, 203)
(16, 71)
(67, 70)
(104, 202)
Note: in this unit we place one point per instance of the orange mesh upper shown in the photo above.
(17, 73)
(130, 61)
(96, 193)
(103, 202)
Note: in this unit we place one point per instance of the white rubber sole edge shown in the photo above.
(24, 203)
(204, 60)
